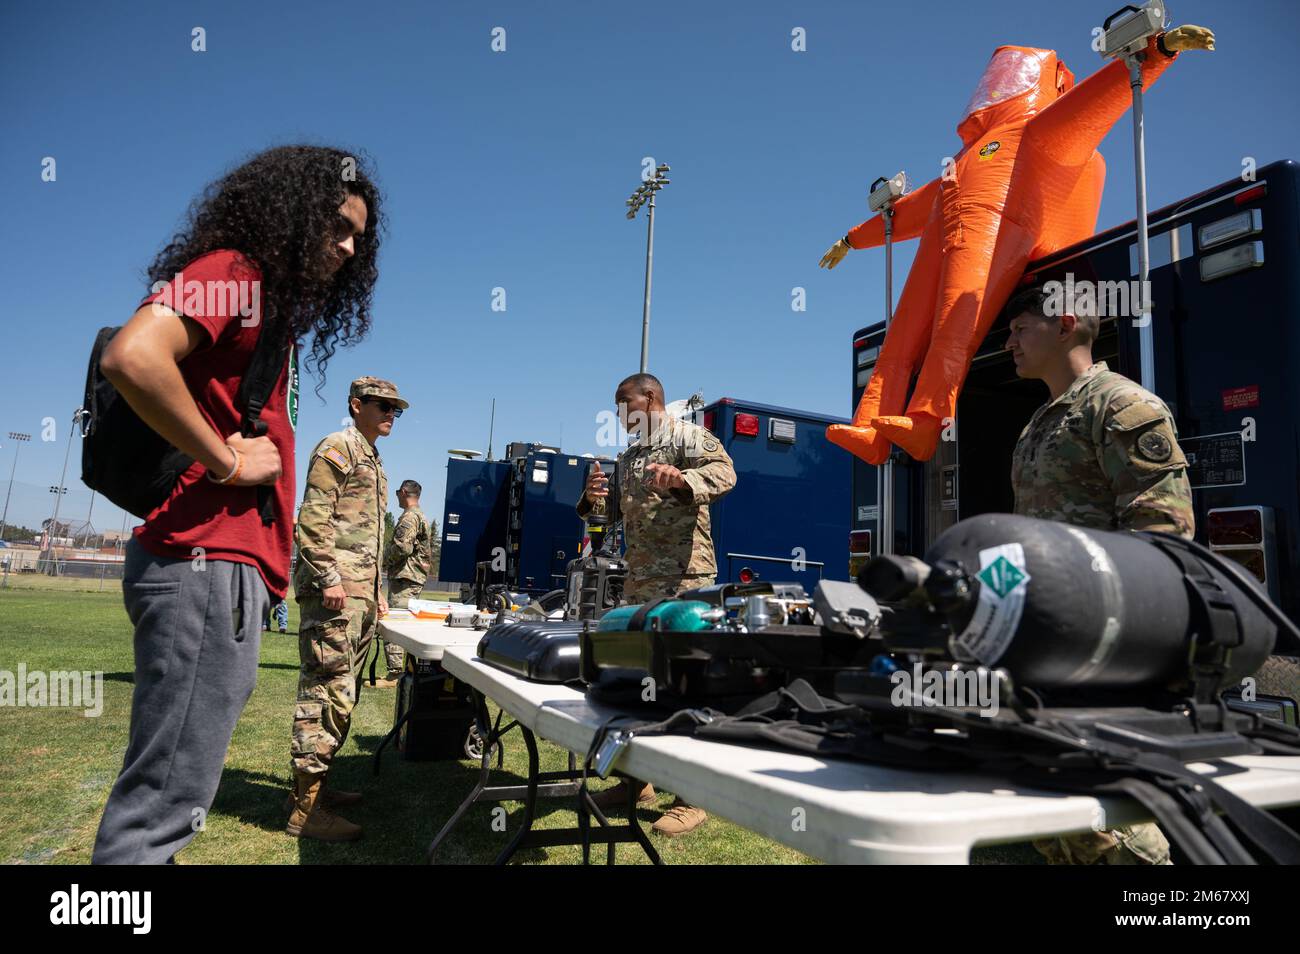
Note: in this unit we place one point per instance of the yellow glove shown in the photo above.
(834, 255)
(1189, 37)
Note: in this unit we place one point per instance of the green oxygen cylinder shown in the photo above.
(677, 616)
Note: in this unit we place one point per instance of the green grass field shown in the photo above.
(57, 766)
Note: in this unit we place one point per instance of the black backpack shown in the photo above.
(132, 465)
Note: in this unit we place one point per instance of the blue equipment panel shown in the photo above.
(787, 520)
(474, 516)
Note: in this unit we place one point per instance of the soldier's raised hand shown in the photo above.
(1189, 37)
(597, 484)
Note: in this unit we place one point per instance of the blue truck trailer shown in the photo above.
(516, 515)
(787, 520)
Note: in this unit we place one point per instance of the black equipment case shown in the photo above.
(539, 650)
(441, 713)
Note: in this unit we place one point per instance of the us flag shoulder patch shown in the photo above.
(335, 457)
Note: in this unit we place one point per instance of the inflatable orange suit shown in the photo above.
(1026, 182)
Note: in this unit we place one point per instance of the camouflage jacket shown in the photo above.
(1104, 455)
(667, 535)
(409, 555)
(340, 528)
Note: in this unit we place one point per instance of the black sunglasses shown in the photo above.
(384, 406)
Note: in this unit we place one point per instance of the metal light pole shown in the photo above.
(88, 527)
(19, 440)
(645, 195)
(884, 193)
(1127, 33)
(1146, 341)
(60, 490)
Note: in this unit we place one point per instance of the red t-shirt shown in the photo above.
(221, 291)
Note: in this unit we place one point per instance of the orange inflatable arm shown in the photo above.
(910, 214)
(1074, 126)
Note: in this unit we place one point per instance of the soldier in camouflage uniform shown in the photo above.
(340, 535)
(667, 480)
(1102, 453)
(407, 562)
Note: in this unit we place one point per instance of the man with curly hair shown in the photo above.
(284, 245)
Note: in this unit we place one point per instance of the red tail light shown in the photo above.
(860, 541)
(1250, 195)
(746, 575)
(708, 422)
(1252, 560)
(1235, 528)
(1248, 536)
(746, 424)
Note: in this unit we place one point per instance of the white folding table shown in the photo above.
(842, 811)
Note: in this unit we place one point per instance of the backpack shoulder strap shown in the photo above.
(259, 380)
(255, 390)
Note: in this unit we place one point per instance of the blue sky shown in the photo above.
(510, 170)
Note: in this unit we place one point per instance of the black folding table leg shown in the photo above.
(490, 736)
(530, 801)
(634, 823)
(397, 727)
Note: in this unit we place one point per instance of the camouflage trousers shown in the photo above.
(332, 647)
(1143, 844)
(399, 591)
(643, 591)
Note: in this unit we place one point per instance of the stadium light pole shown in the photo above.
(19, 440)
(645, 195)
(60, 490)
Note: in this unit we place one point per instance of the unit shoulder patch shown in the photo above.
(1154, 446)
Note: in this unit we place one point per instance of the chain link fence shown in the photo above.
(61, 574)
(101, 575)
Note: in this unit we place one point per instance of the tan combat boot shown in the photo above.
(311, 819)
(330, 797)
(616, 797)
(679, 820)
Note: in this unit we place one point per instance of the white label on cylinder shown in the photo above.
(1003, 585)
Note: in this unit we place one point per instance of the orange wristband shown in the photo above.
(234, 473)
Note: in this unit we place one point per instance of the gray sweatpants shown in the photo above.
(197, 637)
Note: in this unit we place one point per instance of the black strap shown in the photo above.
(639, 617)
(255, 389)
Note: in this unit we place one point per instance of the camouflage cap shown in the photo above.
(376, 387)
